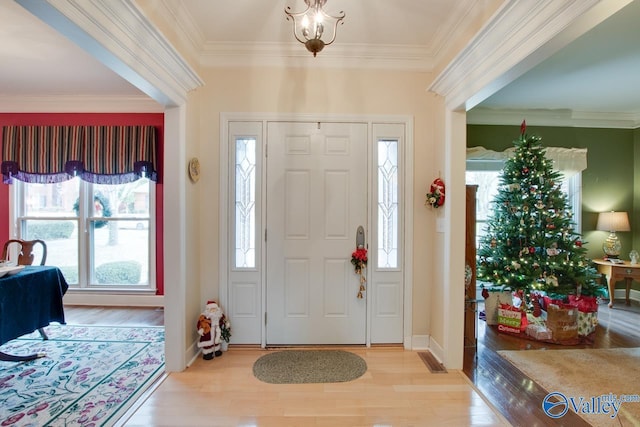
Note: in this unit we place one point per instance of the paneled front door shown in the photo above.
(316, 199)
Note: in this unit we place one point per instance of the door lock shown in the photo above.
(360, 237)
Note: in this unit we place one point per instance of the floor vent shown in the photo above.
(432, 363)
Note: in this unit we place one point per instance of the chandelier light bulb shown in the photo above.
(311, 34)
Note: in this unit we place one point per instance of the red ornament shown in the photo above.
(525, 170)
(579, 243)
(532, 250)
(523, 127)
(485, 293)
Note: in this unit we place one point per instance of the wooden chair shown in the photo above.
(25, 256)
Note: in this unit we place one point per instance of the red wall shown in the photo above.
(93, 119)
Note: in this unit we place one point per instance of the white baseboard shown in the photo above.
(436, 349)
(420, 342)
(634, 295)
(115, 300)
(192, 353)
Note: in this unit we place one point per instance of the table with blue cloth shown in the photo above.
(29, 301)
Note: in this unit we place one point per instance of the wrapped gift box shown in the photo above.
(587, 313)
(587, 323)
(562, 321)
(493, 301)
(511, 319)
(539, 332)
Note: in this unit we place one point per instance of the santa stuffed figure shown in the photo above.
(208, 328)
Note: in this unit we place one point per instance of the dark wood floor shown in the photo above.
(515, 395)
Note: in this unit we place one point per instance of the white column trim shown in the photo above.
(454, 240)
(175, 245)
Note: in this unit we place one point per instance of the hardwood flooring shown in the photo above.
(115, 316)
(397, 389)
(515, 395)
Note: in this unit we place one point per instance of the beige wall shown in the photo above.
(336, 91)
(321, 91)
(195, 298)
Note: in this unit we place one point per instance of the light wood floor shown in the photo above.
(396, 390)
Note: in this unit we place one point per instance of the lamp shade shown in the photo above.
(613, 221)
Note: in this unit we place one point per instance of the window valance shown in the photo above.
(98, 154)
(568, 161)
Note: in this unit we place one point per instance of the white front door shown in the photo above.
(316, 199)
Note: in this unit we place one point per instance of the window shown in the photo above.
(487, 182)
(245, 203)
(99, 235)
(87, 192)
(484, 168)
(388, 214)
(486, 175)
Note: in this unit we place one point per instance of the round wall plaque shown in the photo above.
(194, 169)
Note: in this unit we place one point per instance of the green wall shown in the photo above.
(610, 181)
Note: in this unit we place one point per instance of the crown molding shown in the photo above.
(520, 35)
(185, 27)
(414, 58)
(565, 118)
(79, 104)
(293, 54)
(119, 35)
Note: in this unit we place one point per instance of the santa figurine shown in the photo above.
(208, 328)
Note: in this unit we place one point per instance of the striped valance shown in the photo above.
(98, 154)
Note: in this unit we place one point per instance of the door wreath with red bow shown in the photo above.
(435, 196)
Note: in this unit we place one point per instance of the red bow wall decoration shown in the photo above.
(435, 196)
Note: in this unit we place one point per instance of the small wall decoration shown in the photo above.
(359, 261)
(194, 169)
(435, 196)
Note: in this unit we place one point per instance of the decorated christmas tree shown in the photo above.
(530, 243)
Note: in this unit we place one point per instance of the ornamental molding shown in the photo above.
(520, 35)
(565, 118)
(119, 35)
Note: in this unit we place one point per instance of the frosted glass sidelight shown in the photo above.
(245, 202)
(388, 227)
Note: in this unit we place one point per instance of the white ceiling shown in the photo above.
(599, 73)
(38, 61)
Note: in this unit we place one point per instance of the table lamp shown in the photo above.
(612, 222)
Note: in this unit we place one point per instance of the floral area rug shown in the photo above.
(90, 376)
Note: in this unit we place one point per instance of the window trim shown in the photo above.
(16, 208)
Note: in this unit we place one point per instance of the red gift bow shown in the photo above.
(585, 304)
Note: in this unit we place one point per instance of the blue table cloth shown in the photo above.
(29, 300)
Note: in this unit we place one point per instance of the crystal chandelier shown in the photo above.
(309, 25)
